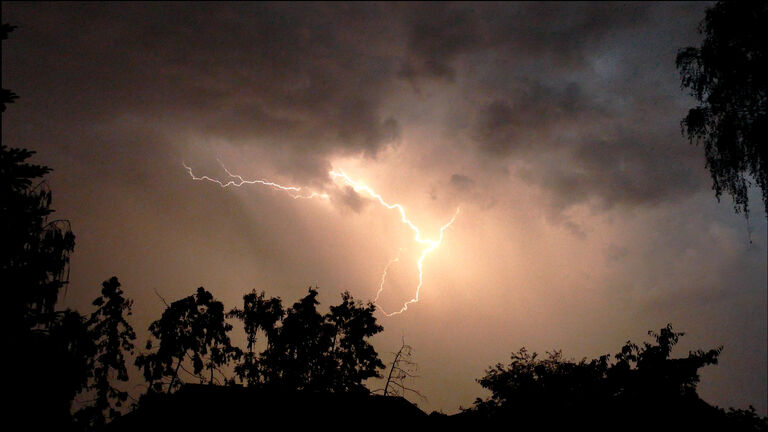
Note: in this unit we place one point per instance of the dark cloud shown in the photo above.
(308, 79)
(530, 117)
(438, 33)
(634, 168)
(564, 34)
(564, 103)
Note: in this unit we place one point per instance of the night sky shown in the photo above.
(586, 218)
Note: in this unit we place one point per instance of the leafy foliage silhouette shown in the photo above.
(49, 347)
(192, 328)
(61, 353)
(643, 384)
(728, 76)
(257, 314)
(112, 337)
(306, 350)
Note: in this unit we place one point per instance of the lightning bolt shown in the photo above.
(239, 181)
(428, 245)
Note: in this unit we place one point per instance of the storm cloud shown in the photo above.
(554, 127)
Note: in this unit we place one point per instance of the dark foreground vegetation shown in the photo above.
(69, 370)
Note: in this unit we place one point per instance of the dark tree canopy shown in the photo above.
(47, 348)
(728, 75)
(34, 253)
(194, 329)
(112, 337)
(257, 314)
(643, 388)
(353, 359)
(306, 350)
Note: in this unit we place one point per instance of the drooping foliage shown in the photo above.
(48, 348)
(194, 329)
(35, 249)
(728, 76)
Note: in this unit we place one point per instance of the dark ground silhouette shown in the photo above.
(205, 407)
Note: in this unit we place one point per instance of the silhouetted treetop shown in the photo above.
(192, 328)
(34, 253)
(258, 314)
(112, 337)
(306, 350)
(644, 387)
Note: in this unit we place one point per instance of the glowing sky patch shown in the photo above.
(340, 178)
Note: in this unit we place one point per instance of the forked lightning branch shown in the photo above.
(341, 179)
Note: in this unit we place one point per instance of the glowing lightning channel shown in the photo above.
(294, 191)
(239, 181)
(384, 277)
(430, 245)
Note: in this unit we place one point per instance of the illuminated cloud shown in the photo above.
(586, 218)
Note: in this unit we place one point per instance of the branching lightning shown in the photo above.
(428, 245)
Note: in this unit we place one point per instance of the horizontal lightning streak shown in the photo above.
(239, 181)
(340, 176)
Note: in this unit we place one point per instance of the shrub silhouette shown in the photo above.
(643, 388)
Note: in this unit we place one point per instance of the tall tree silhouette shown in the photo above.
(35, 248)
(194, 329)
(258, 314)
(47, 348)
(354, 359)
(112, 336)
(297, 354)
(728, 75)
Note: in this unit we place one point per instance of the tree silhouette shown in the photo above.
(258, 313)
(644, 388)
(306, 350)
(192, 328)
(728, 75)
(297, 356)
(402, 368)
(47, 348)
(112, 338)
(35, 249)
(354, 359)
